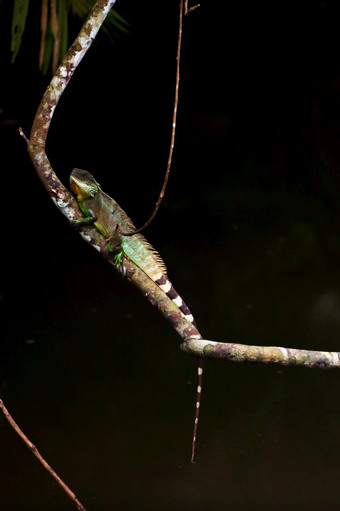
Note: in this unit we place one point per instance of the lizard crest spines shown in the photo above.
(136, 247)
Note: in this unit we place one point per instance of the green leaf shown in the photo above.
(113, 26)
(115, 21)
(20, 10)
(49, 41)
(63, 27)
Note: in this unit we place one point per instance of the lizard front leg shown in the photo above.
(90, 218)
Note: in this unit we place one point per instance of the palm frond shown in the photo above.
(20, 9)
(54, 22)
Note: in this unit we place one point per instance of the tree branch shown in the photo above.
(60, 195)
(266, 354)
(63, 199)
(37, 454)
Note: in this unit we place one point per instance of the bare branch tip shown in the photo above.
(22, 134)
(188, 10)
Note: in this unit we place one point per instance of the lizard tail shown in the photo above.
(166, 286)
(198, 403)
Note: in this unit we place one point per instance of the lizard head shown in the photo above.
(83, 184)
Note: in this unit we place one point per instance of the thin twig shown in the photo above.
(37, 454)
(188, 10)
(173, 130)
(22, 134)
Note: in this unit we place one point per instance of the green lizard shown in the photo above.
(109, 219)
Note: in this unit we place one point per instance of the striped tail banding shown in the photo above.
(170, 291)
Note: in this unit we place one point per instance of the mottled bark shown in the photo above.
(265, 354)
(63, 199)
(37, 454)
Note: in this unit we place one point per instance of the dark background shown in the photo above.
(249, 230)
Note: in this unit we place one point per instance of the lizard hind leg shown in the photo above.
(118, 260)
(115, 248)
(117, 253)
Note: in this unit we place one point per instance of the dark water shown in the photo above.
(249, 230)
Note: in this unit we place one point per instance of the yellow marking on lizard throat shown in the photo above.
(77, 190)
(82, 191)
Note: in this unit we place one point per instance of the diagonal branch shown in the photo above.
(37, 454)
(63, 199)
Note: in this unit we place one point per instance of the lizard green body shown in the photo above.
(105, 214)
(109, 219)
